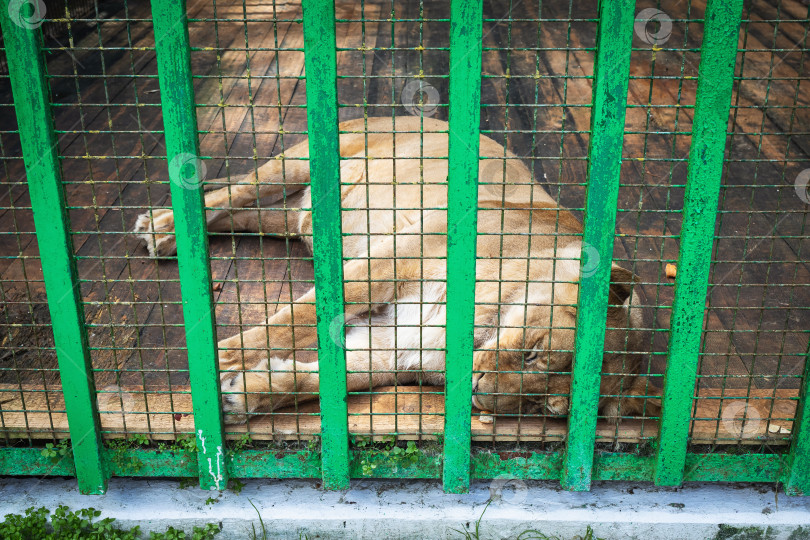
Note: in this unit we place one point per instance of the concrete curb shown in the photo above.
(375, 509)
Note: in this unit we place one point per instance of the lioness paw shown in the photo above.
(557, 405)
(245, 392)
(234, 402)
(153, 227)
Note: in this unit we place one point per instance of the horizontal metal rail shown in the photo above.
(305, 464)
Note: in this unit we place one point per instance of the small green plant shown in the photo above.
(139, 439)
(84, 523)
(126, 462)
(199, 533)
(188, 482)
(529, 534)
(184, 443)
(262, 533)
(236, 485)
(239, 445)
(243, 442)
(475, 534)
(58, 451)
(211, 500)
(254, 535)
(385, 450)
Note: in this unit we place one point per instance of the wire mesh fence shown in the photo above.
(541, 126)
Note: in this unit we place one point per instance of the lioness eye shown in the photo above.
(531, 357)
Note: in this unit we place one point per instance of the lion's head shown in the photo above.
(524, 363)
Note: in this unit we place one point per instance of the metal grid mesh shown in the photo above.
(536, 98)
(755, 341)
(103, 84)
(29, 376)
(251, 108)
(114, 169)
(248, 66)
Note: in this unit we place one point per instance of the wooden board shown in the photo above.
(407, 411)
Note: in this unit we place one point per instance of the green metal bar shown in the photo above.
(188, 203)
(797, 474)
(324, 167)
(466, 27)
(263, 463)
(705, 167)
(30, 461)
(611, 75)
(425, 466)
(40, 151)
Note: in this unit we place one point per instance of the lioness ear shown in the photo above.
(621, 285)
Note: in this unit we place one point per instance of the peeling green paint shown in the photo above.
(44, 174)
(462, 200)
(180, 127)
(324, 167)
(797, 469)
(611, 76)
(704, 170)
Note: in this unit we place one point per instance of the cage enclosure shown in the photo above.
(676, 133)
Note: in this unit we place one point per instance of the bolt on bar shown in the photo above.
(611, 74)
(797, 476)
(40, 152)
(182, 152)
(704, 171)
(466, 26)
(324, 169)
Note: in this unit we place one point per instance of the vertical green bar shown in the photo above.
(705, 167)
(324, 168)
(466, 25)
(40, 151)
(611, 73)
(797, 475)
(188, 203)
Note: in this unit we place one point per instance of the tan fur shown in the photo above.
(506, 301)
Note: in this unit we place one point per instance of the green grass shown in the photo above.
(528, 534)
(64, 524)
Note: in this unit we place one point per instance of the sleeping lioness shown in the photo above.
(394, 284)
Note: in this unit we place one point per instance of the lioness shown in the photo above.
(394, 188)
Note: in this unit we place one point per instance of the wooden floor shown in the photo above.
(419, 415)
(107, 116)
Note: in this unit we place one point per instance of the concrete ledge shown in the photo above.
(419, 509)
